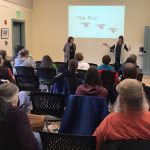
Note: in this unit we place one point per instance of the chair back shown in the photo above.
(108, 79)
(53, 141)
(61, 67)
(47, 104)
(38, 64)
(21, 70)
(126, 145)
(83, 114)
(93, 65)
(46, 74)
(82, 73)
(27, 83)
(70, 85)
(140, 77)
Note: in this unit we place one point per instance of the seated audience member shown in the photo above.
(92, 85)
(131, 59)
(24, 60)
(6, 62)
(47, 62)
(105, 66)
(15, 129)
(81, 63)
(17, 49)
(130, 71)
(131, 116)
(5, 73)
(71, 72)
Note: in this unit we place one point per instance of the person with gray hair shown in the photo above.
(130, 118)
(15, 129)
(24, 60)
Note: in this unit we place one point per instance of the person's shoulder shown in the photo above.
(99, 67)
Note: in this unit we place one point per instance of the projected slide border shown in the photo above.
(96, 21)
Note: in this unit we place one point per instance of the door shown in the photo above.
(18, 33)
(146, 54)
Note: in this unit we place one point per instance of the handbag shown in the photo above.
(37, 121)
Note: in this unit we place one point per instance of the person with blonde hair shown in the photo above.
(130, 118)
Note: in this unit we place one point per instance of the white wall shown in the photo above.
(50, 28)
(8, 12)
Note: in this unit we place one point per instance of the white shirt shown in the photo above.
(83, 65)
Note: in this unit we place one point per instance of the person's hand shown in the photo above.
(129, 47)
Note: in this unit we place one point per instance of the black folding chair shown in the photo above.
(27, 83)
(53, 141)
(48, 104)
(108, 81)
(61, 67)
(93, 65)
(46, 76)
(81, 73)
(126, 145)
(21, 70)
(38, 64)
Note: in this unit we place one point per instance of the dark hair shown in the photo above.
(79, 56)
(69, 39)
(106, 60)
(92, 77)
(3, 54)
(23, 52)
(73, 65)
(17, 49)
(130, 71)
(46, 62)
(122, 38)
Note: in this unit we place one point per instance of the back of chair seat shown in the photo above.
(46, 74)
(70, 85)
(61, 66)
(82, 73)
(93, 65)
(47, 104)
(21, 70)
(27, 83)
(126, 145)
(52, 141)
(83, 114)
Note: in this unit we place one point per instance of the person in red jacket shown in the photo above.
(92, 85)
(131, 116)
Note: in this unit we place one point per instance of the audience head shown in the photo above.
(46, 62)
(131, 97)
(73, 65)
(18, 48)
(8, 95)
(132, 59)
(130, 71)
(1, 61)
(92, 77)
(24, 53)
(3, 54)
(70, 40)
(121, 39)
(106, 59)
(79, 56)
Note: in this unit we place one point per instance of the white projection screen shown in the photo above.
(96, 21)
